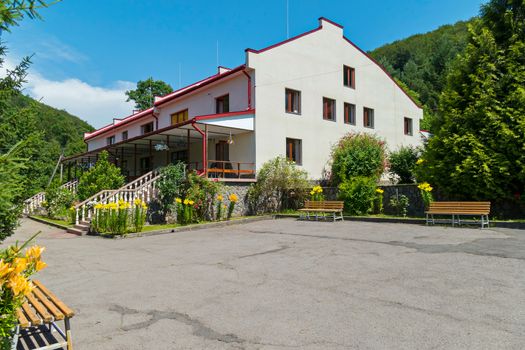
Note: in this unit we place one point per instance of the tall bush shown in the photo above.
(58, 201)
(103, 176)
(359, 195)
(402, 164)
(171, 185)
(280, 185)
(203, 193)
(358, 155)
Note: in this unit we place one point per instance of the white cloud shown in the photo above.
(95, 104)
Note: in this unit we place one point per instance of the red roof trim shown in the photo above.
(331, 22)
(197, 85)
(124, 121)
(285, 41)
(384, 70)
(223, 115)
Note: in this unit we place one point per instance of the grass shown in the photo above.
(54, 221)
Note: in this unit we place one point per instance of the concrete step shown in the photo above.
(86, 222)
(76, 231)
(82, 227)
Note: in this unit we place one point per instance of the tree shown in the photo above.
(144, 94)
(12, 11)
(102, 176)
(10, 195)
(477, 151)
(403, 164)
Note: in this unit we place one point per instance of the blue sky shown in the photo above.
(86, 53)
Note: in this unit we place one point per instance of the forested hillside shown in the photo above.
(422, 61)
(48, 132)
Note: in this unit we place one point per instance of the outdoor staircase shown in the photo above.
(34, 203)
(143, 188)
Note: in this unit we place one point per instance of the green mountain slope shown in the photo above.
(47, 132)
(421, 61)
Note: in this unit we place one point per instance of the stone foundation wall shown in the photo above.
(241, 190)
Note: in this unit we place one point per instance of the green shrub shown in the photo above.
(103, 176)
(403, 164)
(58, 201)
(357, 155)
(280, 185)
(358, 194)
(203, 192)
(171, 185)
(400, 204)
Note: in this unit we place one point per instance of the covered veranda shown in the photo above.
(220, 146)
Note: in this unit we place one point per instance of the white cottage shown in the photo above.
(295, 98)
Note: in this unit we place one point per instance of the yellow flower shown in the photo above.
(144, 206)
(5, 269)
(20, 285)
(379, 190)
(420, 161)
(178, 200)
(19, 265)
(99, 206)
(190, 202)
(34, 252)
(72, 208)
(220, 198)
(186, 201)
(425, 186)
(40, 265)
(137, 201)
(312, 192)
(233, 198)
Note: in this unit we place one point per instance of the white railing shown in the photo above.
(35, 202)
(143, 188)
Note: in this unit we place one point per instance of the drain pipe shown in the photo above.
(249, 89)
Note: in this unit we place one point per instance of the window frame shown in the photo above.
(287, 101)
(334, 109)
(218, 99)
(370, 117)
(408, 128)
(297, 150)
(124, 135)
(347, 116)
(348, 76)
(110, 140)
(186, 114)
(143, 128)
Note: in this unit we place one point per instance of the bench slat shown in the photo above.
(39, 308)
(22, 319)
(63, 307)
(33, 318)
(57, 314)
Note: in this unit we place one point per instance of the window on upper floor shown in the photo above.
(124, 135)
(349, 113)
(146, 128)
(328, 109)
(222, 104)
(110, 140)
(349, 77)
(407, 125)
(368, 117)
(179, 117)
(293, 101)
(294, 151)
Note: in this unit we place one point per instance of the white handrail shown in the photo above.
(35, 201)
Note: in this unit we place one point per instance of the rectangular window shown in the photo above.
(179, 117)
(408, 126)
(146, 128)
(293, 150)
(293, 101)
(349, 77)
(124, 135)
(222, 104)
(368, 117)
(145, 164)
(110, 140)
(349, 113)
(328, 109)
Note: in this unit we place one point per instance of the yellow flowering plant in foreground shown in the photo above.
(316, 194)
(426, 193)
(233, 200)
(379, 200)
(16, 268)
(185, 210)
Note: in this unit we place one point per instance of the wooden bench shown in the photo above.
(458, 209)
(38, 316)
(323, 207)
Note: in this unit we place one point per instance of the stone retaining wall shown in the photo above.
(241, 190)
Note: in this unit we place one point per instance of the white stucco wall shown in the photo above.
(313, 64)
